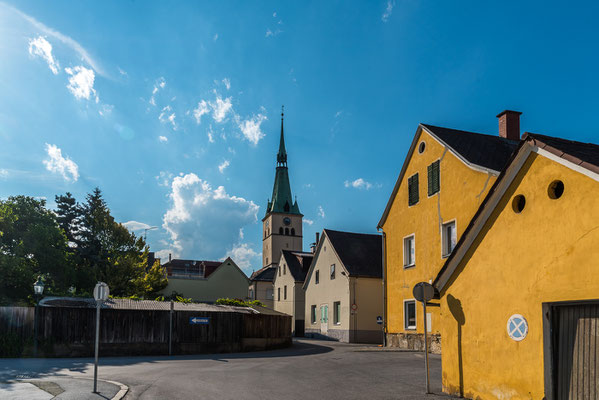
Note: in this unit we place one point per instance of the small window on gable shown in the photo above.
(317, 277)
(434, 180)
(413, 190)
(555, 190)
(284, 269)
(448, 238)
(421, 147)
(332, 271)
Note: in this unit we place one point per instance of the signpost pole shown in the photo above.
(428, 390)
(170, 329)
(97, 346)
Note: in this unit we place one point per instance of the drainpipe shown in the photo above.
(384, 251)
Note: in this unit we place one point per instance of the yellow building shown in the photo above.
(520, 292)
(443, 180)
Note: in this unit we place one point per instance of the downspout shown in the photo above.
(384, 259)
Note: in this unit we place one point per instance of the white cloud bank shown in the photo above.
(135, 226)
(361, 184)
(204, 223)
(81, 82)
(62, 165)
(40, 47)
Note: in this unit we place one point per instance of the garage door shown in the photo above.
(576, 351)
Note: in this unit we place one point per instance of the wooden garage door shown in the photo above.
(576, 351)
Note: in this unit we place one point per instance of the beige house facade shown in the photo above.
(289, 287)
(261, 287)
(344, 288)
(206, 281)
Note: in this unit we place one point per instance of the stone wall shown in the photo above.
(414, 341)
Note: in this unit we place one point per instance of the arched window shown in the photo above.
(286, 231)
(292, 231)
(280, 230)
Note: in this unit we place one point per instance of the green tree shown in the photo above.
(152, 281)
(31, 244)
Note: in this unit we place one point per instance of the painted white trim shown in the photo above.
(566, 163)
(443, 223)
(403, 244)
(405, 328)
(504, 184)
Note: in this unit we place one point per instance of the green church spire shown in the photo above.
(282, 200)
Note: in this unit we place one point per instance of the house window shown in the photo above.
(251, 294)
(278, 294)
(434, 180)
(313, 314)
(266, 260)
(270, 294)
(292, 231)
(286, 231)
(317, 277)
(448, 238)
(337, 312)
(332, 271)
(413, 190)
(409, 314)
(279, 268)
(285, 292)
(284, 269)
(409, 256)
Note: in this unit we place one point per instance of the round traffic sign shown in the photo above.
(423, 291)
(101, 291)
(517, 327)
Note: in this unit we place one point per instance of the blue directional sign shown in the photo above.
(199, 320)
(379, 320)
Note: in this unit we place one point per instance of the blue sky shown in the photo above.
(172, 108)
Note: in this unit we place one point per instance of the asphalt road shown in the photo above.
(309, 370)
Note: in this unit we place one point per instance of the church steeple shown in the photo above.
(282, 200)
(282, 154)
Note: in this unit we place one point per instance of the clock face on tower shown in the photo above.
(287, 220)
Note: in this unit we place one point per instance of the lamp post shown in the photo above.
(151, 228)
(38, 290)
(100, 295)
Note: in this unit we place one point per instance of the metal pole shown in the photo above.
(170, 329)
(97, 346)
(35, 317)
(428, 390)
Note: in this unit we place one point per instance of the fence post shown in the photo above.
(170, 329)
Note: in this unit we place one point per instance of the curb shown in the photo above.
(121, 393)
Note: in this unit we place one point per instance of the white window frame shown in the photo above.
(405, 321)
(444, 252)
(405, 264)
(336, 315)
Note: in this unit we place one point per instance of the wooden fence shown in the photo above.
(70, 332)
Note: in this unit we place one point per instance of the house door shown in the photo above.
(324, 319)
(575, 351)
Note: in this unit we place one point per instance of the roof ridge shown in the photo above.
(351, 233)
(540, 135)
(469, 132)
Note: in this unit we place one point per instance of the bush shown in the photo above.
(238, 303)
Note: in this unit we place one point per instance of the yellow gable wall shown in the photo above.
(462, 191)
(547, 253)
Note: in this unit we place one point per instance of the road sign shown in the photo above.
(199, 320)
(379, 320)
(423, 291)
(101, 291)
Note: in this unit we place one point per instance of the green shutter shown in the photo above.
(434, 180)
(413, 190)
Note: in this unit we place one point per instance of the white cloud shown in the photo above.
(210, 136)
(359, 184)
(227, 83)
(164, 178)
(388, 10)
(215, 37)
(62, 38)
(160, 84)
(220, 108)
(321, 212)
(308, 221)
(122, 71)
(244, 256)
(201, 109)
(3, 173)
(166, 115)
(203, 222)
(251, 128)
(59, 164)
(81, 82)
(40, 47)
(274, 33)
(163, 139)
(105, 110)
(135, 226)
(223, 166)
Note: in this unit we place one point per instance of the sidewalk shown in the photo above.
(60, 387)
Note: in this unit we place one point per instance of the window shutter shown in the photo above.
(413, 190)
(429, 171)
(433, 178)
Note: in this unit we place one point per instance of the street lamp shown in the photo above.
(151, 228)
(38, 290)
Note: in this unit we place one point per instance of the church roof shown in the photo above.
(282, 200)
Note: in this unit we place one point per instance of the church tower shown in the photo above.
(282, 224)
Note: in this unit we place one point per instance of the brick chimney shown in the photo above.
(509, 124)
